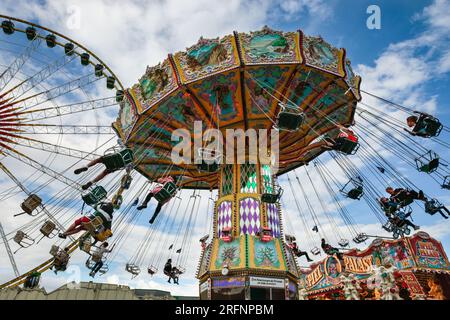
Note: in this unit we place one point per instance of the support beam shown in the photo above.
(8, 250)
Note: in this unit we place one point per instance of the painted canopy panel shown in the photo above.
(269, 46)
(207, 57)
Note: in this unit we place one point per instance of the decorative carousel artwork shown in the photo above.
(127, 115)
(321, 54)
(268, 84)
(353, 80)
(394, 253)
(265, 255)
(221, 91)
(181, 109)
(269, 46)
(304, 85)
(157, 82)
(207, 57)
(428, 254)
(229, 253)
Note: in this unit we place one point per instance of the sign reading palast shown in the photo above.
(358, 264)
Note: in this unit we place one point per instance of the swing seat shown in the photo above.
(152, 270)
(48, 229)
(315, 251)
(89, 264)
(94, 196)
(360, 238)
(356, 193)
(346, 145)
(133, 269)
(167, 192)
(433, 127)
(103, 235)
(85, 244)
(428, 163)
(181, 270)
(93, 225)
(104, 269)
(31, 203)
(23, 239)
(117, 160)
(290, 118)
(432, 206)
(210, 160)
(272, 197)
(343, 243)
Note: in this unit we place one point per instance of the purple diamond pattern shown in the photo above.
(223, 216)
(249, 216)
(273, 219)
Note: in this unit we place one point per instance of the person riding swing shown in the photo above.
(162, 192)
(97, 257)
(330, 250)
(424, 125)
(113, 161)
(405, 196)
(299, 252)
(171, 272)
(433, 206)
(103, 211)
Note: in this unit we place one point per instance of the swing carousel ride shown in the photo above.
(57, 102)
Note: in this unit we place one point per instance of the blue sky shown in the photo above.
(407, 61)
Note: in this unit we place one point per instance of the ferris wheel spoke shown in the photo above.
(18, 63)
(39, 77)
(62, 129)
(55, 92)
(53, 148)
(28, 193)
(40, 167)
(53, 112)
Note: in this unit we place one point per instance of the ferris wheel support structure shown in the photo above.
(8, 250)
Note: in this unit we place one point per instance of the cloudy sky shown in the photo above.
(407, 60)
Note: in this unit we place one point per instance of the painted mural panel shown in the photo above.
(262, 85)
(207, 57)
(266, 255)
(127, 115)
(221, 93)
(322, 55)
(157, 82)
(269, 46)
(429, 253)
(229, 253)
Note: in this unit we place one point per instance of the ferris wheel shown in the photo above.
(57, 102)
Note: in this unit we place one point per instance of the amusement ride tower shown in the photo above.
(299, 86)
